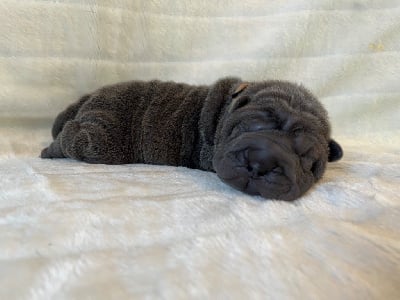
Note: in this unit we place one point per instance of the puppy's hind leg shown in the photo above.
(54, 150)
(95, 136)
(68, 114)
(68, 137)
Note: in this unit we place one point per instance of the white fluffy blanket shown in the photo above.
(70, 230)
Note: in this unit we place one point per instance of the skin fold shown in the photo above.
(269, 138)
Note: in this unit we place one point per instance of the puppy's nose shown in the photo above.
(260, 162)
(267, 157)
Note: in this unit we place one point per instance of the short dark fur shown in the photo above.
(270, 138)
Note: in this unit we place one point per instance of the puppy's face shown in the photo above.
(273, 140)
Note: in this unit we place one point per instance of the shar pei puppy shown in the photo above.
(269, 138)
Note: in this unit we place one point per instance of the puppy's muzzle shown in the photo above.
(257, 163)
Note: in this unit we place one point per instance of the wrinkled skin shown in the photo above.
(274, 141)
(268, 138)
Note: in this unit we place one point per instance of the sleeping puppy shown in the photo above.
(268, 138)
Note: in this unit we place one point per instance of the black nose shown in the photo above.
(265, 159)
(260, 163)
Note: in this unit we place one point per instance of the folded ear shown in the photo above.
(335, 151)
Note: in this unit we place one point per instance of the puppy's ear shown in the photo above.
(240, 89)
(236, 101)
(335, 151)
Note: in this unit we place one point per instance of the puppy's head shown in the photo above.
(272, 139)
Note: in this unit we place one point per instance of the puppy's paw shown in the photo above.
(45, 153)
(52, 151)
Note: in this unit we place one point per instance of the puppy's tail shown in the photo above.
(68, 114)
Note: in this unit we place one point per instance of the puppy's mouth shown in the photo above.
(256, 163)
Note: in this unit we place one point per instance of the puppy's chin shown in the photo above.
(259, 165)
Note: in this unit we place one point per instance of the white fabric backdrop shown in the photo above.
(72, 230)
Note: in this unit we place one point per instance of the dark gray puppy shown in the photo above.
(270, 138)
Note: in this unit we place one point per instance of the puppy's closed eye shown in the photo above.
(258, 125)
(253, 126)
(297, 130)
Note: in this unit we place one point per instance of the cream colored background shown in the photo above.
(70, 230)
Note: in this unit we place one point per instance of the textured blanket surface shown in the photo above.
(70, 230)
